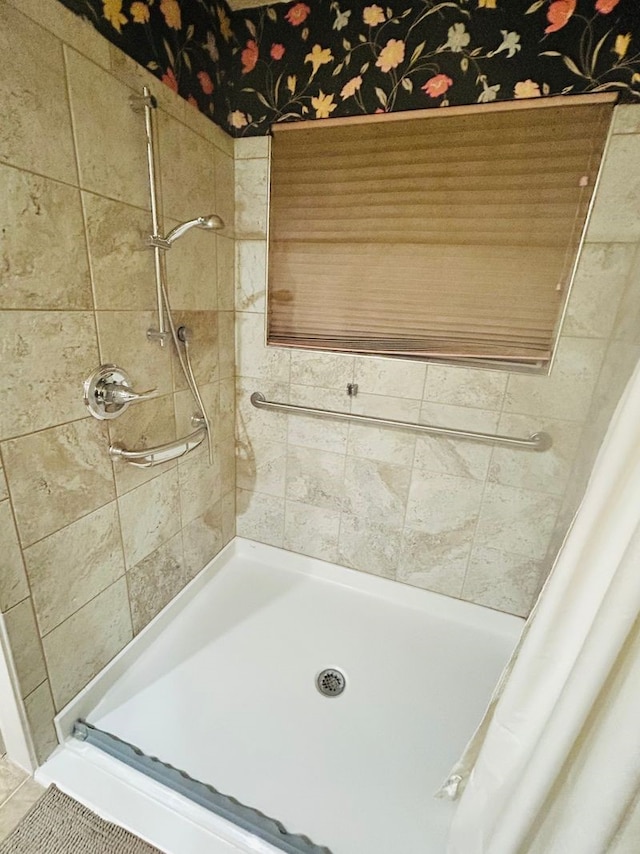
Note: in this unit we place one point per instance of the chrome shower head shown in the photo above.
(212, 221)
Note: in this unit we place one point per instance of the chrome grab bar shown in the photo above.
(535, 442)
(161, 454)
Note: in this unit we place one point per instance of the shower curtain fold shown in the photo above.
(554, 767)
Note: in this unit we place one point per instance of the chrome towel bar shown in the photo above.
(535, 442)
(162, 453)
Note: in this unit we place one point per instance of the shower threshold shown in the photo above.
(223, 685)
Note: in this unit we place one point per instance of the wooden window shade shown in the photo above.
(446, 233)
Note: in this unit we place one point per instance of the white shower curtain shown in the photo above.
(554, 768)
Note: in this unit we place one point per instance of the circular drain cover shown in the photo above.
(331, 682)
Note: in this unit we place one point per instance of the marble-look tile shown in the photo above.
(199, 485)
(262, 465)
(135, 76)
(43, 255)
(597, 289)
(203, 347)
(616, 211)
(566, 393)
(226, 344)
(251, 275)
(192, 270)
(311, 530)
(546, 471)
(123, 341)
(460, 386)
(368, 546)
(322, 434)
(393, 377)
(225, 189)
(227, 408)
(186, 408)
(252, 187)
(73, 476)
(327, 370)
(203, 126)
(4, 491)
(11, 777)
(376, 491)
(516, 520)
(228, 515)
(155, 581)
(33, 99)
(79, 648)
(26, 649)
(386, 444)
(40, 713)
(45, 357)
(440, 504)
(70, 567)
(449, 455)
(13, 581)
(626, 118)
(226, 450)
(203, 539)
(252, 147)
(435, 562)
(186, 170)
(144, 425)
(260, 517)
(253, 358)
(110, 137)
(506, 582)
(253, 422)
(121, 264)
(627, 323)
(315, 477)
(226, 273)
(149, 516)
(19, 805)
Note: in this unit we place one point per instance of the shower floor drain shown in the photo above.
(331, 682)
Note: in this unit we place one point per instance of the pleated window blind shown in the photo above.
(445, 233)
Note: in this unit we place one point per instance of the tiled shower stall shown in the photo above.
(91, 550)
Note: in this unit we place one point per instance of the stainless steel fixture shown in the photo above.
(212, 221)
(536, 442)
(108, 392)
(161, 453)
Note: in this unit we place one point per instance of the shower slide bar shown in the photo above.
(535, 442)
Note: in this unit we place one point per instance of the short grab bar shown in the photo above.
(535, 442)
(161, 454)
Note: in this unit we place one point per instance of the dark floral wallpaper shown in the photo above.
(312, 59)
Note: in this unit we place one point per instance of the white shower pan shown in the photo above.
(222, 685)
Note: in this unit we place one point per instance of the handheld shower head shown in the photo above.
(212, 221)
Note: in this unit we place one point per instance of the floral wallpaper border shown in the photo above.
(321, 58)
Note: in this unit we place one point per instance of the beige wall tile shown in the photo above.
(40, 713)
(504, 581)
(226, 273)
(191, 270)
(626, 118)
(252, 181)
(149, 516)
(253, 422)
(376, 491)
(155, 581)
(381, 443)
(42, 244)
(33, 99)
(311, 530)
(436, 562)
(316, 432)
(135, 77)
(322, 369)
(70, 567)
(199, 484)
(440, 504)
(260, 517)
(109, 135)
(123, 341)
(566, 392)
(393, 377)
(616, 211)
(187, 171)
(251, 275)
(315, 477)
(597, 290)
(203, 347)
(225, 189)
(13, 581)
(80, 647)
(252, 147)
(72, 478)
(226, 345)
(253, 359)
(20, 623)
(460, 386)
(517, 520)
(457, 457)
(203, 539)
(368, 546)
(45, 357)
(627, 323)
(4, 492)
(121, 264)
(262, 465)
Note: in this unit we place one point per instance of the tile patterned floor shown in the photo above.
(18, 792)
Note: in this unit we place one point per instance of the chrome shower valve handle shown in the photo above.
(108, 392)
